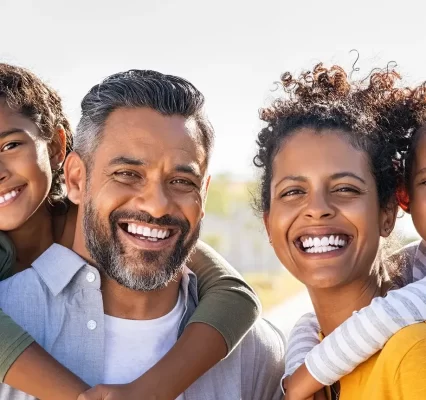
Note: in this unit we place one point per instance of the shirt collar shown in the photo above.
(57, 266)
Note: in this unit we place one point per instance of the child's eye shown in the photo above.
(10, 146)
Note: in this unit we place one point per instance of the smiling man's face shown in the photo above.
(141, 198)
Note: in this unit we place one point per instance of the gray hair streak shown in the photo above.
(167, 94)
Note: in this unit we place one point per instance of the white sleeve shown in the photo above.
(366, 332)
(303, 337)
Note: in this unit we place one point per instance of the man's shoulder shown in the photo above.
(265, 335)
(262, 356)
(20, 284)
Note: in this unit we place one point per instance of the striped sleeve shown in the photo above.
(366, 332)
(303, 337)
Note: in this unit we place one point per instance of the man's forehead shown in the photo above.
(143, 133)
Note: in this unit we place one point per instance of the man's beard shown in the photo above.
(135, 269)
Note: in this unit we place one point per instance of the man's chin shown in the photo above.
(153, 277)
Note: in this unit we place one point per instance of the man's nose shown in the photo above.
(319, 206)
(155, 200)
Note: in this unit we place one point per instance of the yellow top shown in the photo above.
(398, 372)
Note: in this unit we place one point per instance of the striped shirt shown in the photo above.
(366, 331)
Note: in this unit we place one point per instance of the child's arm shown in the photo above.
(303, 337)
(228, 308)
(27, 367)
(37, 373)
(365, 333)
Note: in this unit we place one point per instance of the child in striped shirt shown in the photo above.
(311, 364)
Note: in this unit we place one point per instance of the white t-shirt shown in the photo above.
(132, 347)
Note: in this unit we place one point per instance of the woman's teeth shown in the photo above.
(323, 244)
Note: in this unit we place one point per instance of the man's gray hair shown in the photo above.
(167, 94)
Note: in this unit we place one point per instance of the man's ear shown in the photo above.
(58, 148)
(75, 177)
(204, 195)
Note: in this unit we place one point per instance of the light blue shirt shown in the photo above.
(59, 303)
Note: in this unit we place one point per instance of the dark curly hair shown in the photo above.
(326, 98)
(28, 95)
(410, 115)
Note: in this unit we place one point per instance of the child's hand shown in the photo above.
(117, 392)
(302, 386)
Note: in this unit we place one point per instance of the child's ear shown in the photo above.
(403, 199)
(58, 148)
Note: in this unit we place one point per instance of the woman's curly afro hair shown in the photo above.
(326, 98)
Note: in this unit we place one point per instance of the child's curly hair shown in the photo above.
(326, 98)
(28, 95)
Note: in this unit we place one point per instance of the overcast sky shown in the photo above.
(231, 50)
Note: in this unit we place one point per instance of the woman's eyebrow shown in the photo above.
(346, 174)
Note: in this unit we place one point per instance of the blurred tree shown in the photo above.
(213, 240)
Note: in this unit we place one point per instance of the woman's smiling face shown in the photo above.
(324, 220)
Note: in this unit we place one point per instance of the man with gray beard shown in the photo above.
(115, 305)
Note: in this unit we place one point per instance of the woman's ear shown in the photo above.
(266, 223)
(388, 218)
(58, 148)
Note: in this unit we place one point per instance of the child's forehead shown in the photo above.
(420, 147)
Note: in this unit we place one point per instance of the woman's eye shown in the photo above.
(347, 190)
(10, 146)
(292, 192)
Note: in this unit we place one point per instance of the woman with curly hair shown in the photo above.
(330, 172)
(368, 330)
(35, 137)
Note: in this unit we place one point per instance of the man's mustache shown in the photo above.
(143, 216)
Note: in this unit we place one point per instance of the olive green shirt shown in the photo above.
(227, 303)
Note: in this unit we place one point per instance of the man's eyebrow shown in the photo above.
(346, 174)
(189, 169)
(124, 160)
(11, 131)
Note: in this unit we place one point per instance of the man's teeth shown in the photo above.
(323, 244)
(8, 196)
(151, 234)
